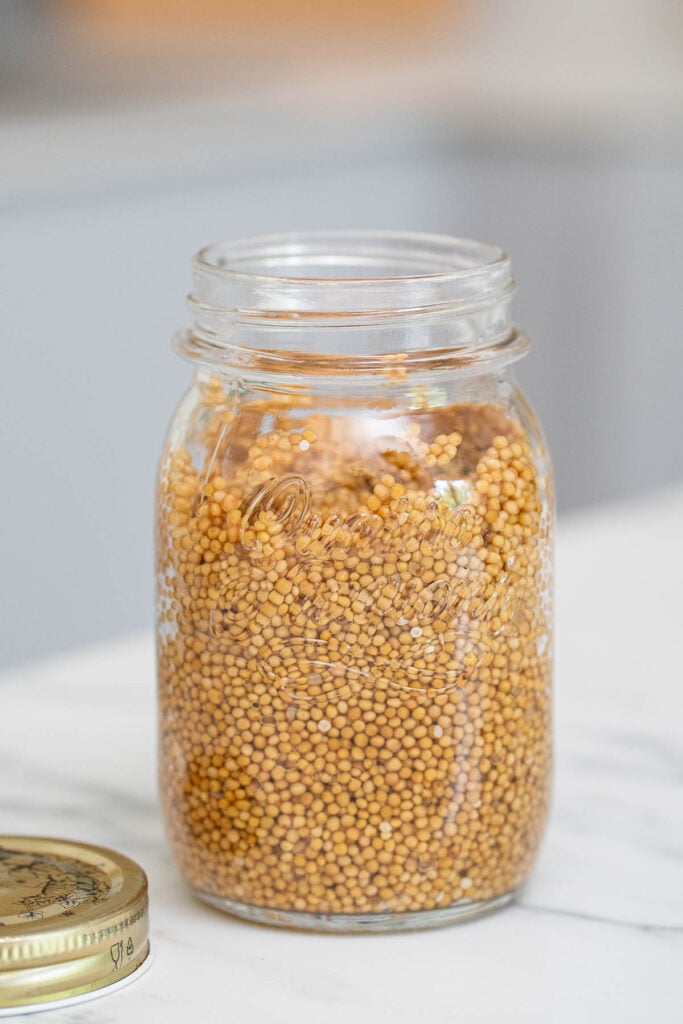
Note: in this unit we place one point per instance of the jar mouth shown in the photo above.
(348, 273)
(347, 294)
(345, 258)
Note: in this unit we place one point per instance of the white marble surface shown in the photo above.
(596, 936)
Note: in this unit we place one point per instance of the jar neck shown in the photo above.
(340, 305)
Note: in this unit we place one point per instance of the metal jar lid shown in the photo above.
(73, 920)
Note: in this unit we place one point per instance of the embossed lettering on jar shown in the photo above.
(354, 556)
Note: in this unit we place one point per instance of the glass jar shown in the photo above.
(354, 579)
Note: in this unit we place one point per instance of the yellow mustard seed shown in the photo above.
(353, 661)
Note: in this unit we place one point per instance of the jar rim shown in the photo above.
(349, 295)
(456, 257)
(348, 273)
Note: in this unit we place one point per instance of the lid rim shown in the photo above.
(96, 987)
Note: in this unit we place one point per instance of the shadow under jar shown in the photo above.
(354, 544)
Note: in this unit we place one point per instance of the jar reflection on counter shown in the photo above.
(354, 658)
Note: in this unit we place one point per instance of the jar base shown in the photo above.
(409, 920)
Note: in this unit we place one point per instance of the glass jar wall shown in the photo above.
(354, 583)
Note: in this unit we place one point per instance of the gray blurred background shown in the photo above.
(133, 132)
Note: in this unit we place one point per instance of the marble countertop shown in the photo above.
(597, 935)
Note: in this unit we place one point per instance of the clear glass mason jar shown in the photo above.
(354, 586)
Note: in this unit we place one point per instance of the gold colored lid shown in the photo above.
(73, 919)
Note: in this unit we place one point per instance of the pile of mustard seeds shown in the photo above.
(354, 655)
